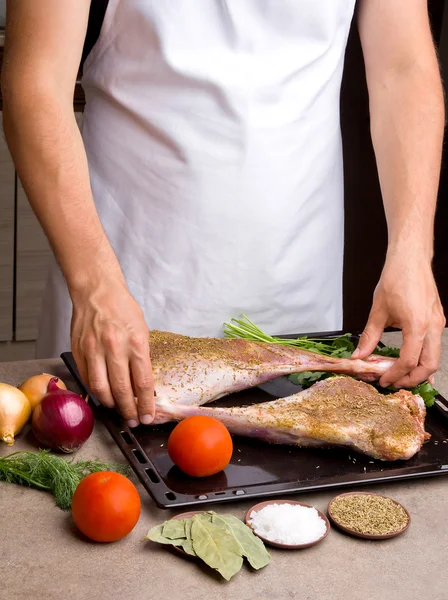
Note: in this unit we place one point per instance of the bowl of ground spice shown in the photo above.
(368, 515)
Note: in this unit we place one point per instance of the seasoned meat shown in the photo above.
(195, 371)
(338, 411)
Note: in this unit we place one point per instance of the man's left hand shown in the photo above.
(406, 297)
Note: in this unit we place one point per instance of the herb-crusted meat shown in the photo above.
(194, 371)
(339, 411)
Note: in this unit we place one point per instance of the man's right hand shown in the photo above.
(110, 344)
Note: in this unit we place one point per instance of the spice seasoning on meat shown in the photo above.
(369, 514)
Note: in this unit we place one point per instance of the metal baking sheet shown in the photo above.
(259, 469)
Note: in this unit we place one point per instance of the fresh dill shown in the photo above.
(48, 472)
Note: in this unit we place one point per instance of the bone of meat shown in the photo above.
(338, 411)
(195, 371)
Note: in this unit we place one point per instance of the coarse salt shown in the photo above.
(289, 524)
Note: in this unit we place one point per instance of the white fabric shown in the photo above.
(213, 139)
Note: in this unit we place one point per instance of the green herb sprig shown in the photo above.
(244, 328)
(51, 473)
(339, 347)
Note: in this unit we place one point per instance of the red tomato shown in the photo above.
(200, 446)
(106, 506)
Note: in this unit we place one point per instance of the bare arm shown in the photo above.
(43, 48)
(407, 125)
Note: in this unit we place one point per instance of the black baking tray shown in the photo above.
(259, 469)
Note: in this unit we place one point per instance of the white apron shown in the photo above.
(212, 133)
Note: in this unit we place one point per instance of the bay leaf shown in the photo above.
(156, 535)
(154, 531)
(174, 529)
(188, 544)
(251, 545)
(159, 539)
(216, 546)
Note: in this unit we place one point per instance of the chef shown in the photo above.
(208, 178)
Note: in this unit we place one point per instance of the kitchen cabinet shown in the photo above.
(32, 256)
(7, 209)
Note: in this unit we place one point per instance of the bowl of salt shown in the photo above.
(288, 524)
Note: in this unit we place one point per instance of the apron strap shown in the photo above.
(96, 17)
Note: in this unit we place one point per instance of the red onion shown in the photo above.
(63, 420)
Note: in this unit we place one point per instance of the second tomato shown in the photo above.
(200, 446)
(106, 506)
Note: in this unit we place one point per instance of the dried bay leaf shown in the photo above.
(187, 546)
(221, 541)
(154, 531)
(216, 546)
(188, 523)
(156, 535)
(174, 529)
(162, 540)
(251, 546)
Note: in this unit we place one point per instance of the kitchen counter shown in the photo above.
(44, 558)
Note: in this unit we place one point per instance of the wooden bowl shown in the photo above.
(367, 536)
(261, 505)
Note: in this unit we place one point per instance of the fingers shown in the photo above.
(409, 357)
(120, 383)
(81, 365)
(131, 378)
(93, 369)
(118, 371)
(143, 385)
(371, 335)
(428, 361)
(110, 343)
(93, 372)
(99, 381)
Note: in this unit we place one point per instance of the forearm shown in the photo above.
(48, 151)
(407, 125)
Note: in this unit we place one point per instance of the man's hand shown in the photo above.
(406, 297)
(110, 343)
(407, 126)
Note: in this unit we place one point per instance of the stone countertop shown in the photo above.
(44, 558)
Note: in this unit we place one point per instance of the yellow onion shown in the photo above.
(35, 388)
(15, 410)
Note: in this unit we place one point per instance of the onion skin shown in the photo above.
(63, 420)
(15, 410)
(36, 387)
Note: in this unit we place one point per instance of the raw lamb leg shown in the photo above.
(338, 411)
(195, 371)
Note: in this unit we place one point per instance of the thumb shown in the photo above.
(370, 336)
